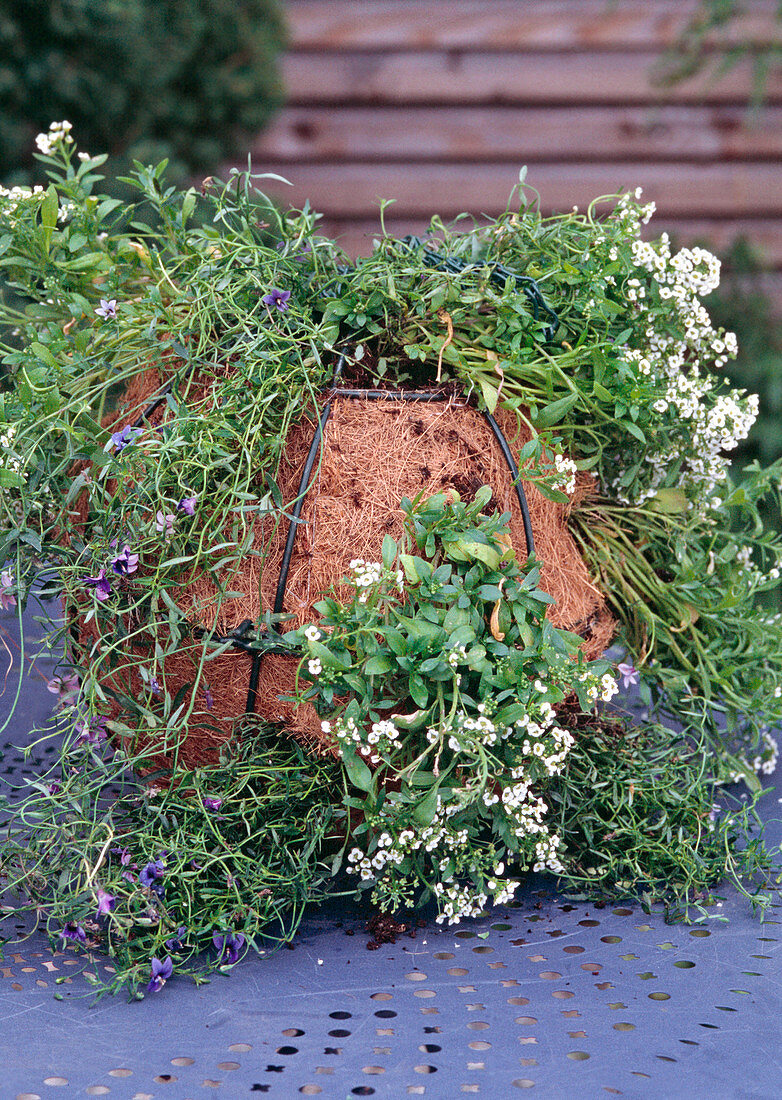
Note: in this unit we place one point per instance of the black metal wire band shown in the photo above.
(371, 395)
(279, 597)
(303, 484)
(522, 497)
(150, 409)
(429, 395)
(238, 637)
(498, 274)
(395, 395)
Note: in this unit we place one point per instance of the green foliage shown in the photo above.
(708, 43)
(742, 304)
(688, 592)
(142, 79)
(637, 815)
(433, 666)
(235, 851)
(628, 318)
(459, 636)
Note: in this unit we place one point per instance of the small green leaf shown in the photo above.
(551, 494)
(376, 666)
(408, 564)
(529, 450)
(188, 205)
(388, 552)
(670, 501)
(556, 411)
(44, 354)
(634, 430)
(327, 658)
(395, 641)
(410, 721)
(355, 682)
(481, 551)
(50, 208)
(358, 773)
(418, 691)
(455, 617)
(424, 812)
(106, 207)
(489, 392)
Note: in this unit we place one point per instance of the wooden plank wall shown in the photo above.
(438, 104)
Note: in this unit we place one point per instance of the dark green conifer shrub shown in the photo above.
(143, 79)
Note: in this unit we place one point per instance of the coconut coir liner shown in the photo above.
(373, 453)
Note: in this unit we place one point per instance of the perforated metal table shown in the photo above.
(546, 995)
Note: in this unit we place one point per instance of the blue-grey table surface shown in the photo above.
(553, 996)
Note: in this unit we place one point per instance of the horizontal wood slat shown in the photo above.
(437, 105)
(680, 190)
(521, 133)
(356, 235)
(506, 24)
(479, 78)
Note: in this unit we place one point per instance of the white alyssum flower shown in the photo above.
(11, 199)
(678, 369)
(59, 133)
(367, 574)
(456, 656)
(566, 471)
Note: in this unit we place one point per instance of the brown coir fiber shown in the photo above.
(373, 454)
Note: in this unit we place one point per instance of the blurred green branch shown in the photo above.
(709, 43)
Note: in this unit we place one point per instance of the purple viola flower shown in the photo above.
(209, 699)
(74, 933)
(177, 941)
(91, 731)
(278, 298)
(161, 972)
(228, 946)
(187, 505)
(106, 903)
(7, 601)
(107, 308)
(66, 688)
(154, 685)
(629, 674)
(125, 437)
(211, 803)
(54, 787)
(164, 524)
(151, 874)
(125, 860)
(101, 584)
(125, 562)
